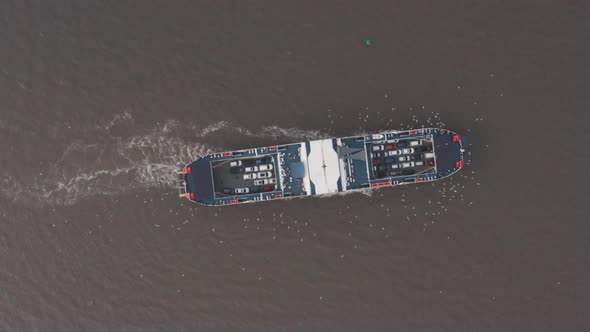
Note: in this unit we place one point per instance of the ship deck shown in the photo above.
(223, 178)
(388, 162)
(354, 159)
(292, 170)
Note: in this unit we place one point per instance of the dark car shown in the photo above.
(248, 162)
(402, 145)
(391, 147)
(259, 161)
(380, 174)
(377, 154)
(395, 173)
(408, 171)
(394, 166)
(415, 157)
(422, 149)
(379, 168)
(237, 170)
(259, 189)
(264, 160)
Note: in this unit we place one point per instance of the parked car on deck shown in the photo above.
(393, 153)
(264, 181)
(242, 190)
(377, 155)
(390, 147)
(416, 143)
(379, 168)
(263, 175)
(251, 169)
(264, 160)
(402, 144)
(265, 167)
(408, 164)
(414, 157)
(237, 170)
(395, 173)
(250, 176)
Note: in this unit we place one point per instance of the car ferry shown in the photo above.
(325, 166)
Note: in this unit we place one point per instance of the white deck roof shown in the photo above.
(323, 166)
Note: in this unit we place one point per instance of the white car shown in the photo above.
(251, 169)
(264, 181)
(270, 181)
(378, 147)
(392, 153)
(394, 166)
(242, 190)
(235, 163)
(408, 151)
(428, 155)
(250, 176)
(416, 143)
(410, 164)
(377, 154)
(264, 175)
(402, 158)
(265, 167)
(419, 163)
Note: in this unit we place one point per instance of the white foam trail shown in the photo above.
(213, 128)
(274, 132)
(144, 162)
(117, 119)
(113, 165)
(366, 192)
(302, 134)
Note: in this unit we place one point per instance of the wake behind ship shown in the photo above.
(323, 166)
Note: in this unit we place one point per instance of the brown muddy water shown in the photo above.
(101, 101)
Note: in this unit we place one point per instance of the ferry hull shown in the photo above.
(323, 167)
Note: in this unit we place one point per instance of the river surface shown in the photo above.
(101, 101)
